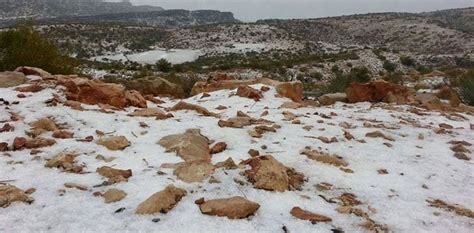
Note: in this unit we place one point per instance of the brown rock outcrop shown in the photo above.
(97, 92)
(155, 86)
(377, 91)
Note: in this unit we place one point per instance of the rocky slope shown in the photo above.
(440, 32)
(233, 160)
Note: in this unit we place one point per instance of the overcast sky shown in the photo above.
(250, 10)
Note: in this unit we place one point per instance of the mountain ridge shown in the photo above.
(15, 9)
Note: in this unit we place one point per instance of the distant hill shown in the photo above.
(446, 31)
(460, 19)
(152, 18)
(91, 11)
(39, 9)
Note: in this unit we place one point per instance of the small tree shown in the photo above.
(360, 74)
(163, 65)
(389, 66)
(466, 87)
(407, 61)
(23, 46)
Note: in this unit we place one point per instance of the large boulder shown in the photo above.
(291, 90)
(161, 202)
(377, 91)
(97, 92)
(155, 86)
(248, 92)
(11, 79)
(190, 146)
(233, 208)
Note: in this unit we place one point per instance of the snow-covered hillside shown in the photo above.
(367, 167)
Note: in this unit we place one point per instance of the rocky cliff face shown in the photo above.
(14, 9)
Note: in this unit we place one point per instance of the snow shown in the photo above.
(175, 56)
(398, 197)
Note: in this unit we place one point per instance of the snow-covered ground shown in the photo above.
(175, 56)
(420, 168)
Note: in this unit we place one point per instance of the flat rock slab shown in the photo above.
(161, 202)
(233, 208)
(190, 146)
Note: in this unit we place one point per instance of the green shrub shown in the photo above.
(389, 66)
(163, 65)
(144, 72)
(360, 74)
(378, 52)
(407, 61)
(316, 75)
(466, 88)
(335, 69)
(338, 84)
(424, 69)
(23, 46)
(342, 81)
(396, 77)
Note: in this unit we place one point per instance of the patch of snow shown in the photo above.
(174, 56)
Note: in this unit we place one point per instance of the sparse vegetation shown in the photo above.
(389, 66)
(164, 65)
(342, 80)
(466, 87)
(407, 61)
